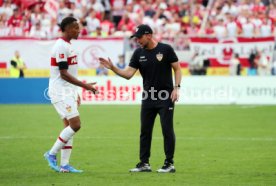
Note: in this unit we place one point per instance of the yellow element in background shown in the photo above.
(244, 71)
(222, 71)
(185, 71)
(87, 72)
(5, 73)
(36, 73)
(42, 73)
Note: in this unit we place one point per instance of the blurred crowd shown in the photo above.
(168, 18)
(258, 64)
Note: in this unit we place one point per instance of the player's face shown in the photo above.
(74, 30)
(143, 41)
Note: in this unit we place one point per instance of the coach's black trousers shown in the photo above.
(149, 111)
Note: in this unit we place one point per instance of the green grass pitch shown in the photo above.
(216, 145)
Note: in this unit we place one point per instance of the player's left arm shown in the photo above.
(177, 79)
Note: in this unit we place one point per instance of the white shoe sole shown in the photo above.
(165, 171)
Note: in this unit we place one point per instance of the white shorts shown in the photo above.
(67, 108)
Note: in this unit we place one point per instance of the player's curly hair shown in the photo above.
(66, 21)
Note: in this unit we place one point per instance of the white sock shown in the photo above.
(64, 136)
(66, 152)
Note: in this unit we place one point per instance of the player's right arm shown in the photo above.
(63, 66)
(126, 73)
(61, 55)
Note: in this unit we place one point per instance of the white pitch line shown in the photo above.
(155, 138)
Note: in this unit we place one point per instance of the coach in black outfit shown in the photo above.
(155, 61)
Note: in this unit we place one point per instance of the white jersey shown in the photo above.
(59, 89)
(231, 28)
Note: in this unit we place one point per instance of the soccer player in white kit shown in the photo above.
(63, 93)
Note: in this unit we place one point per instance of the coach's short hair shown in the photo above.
(66, 21)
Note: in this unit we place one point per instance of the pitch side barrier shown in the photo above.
(36, 52)
(23, 91)
(115, 90)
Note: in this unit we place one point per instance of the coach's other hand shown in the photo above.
(175, 95)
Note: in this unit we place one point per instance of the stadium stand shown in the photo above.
(221, 18)
(173, 21)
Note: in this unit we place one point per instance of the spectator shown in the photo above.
(235, 66)
(209, 30)
(7, 8)
(101, 71)
(63, 11)
(92, 21)
(231, 27)
(132, 14)
(107, 7)
(263, 65)
(97, 7)
(26, 24)
(45, 21)
(17, 66)
(123, 33)
(37, 32)
(196, 66)
(256, 18)
(248, 29)
(192, 30)
(36, 15)
(253, 61)
(76, 12)
(220, 30)
(83, 28)
(99, 33)
(229, 7)
(127, 23)
(147, 8)
(117, 10)
(121, 63)
(265, 29)
(272, 11)
(273, 69)
(173, 27)
(4, 30)
(107, 26)
(15, 19)
(53, 31)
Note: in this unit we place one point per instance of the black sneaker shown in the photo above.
(167, 167)
(141, 167)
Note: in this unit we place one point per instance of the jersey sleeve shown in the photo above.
(134, 63)
(172, 57)
(61, 54)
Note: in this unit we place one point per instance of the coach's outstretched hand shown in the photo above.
(106, 63)
(89, 86)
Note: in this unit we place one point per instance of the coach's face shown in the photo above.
(74, 30)
(144, 40)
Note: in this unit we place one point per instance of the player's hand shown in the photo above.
(175, 95)
(89, 86)
(79, 100)
(106, 62)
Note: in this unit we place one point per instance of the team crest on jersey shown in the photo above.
(159, 56)
(69, 108)
(61, 56)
